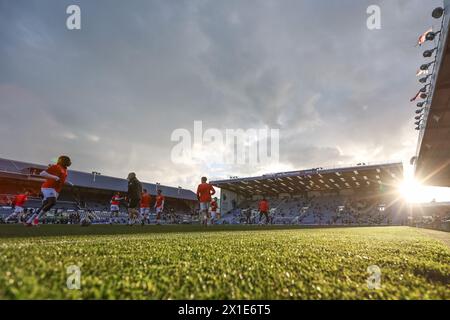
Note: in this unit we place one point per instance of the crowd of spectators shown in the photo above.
(317, 210)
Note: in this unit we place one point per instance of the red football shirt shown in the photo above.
(204, 192)
(213, 206)
(115, 200)
(145, 200)
(159, 201)
(264, 206)
(20, 200)
(58, 171)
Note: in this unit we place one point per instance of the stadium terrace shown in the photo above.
(23, 171)
(371, 177)
(362, 194)
(90, 193)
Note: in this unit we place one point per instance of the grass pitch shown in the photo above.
(223, 262)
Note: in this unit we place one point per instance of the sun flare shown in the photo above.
(413, 191)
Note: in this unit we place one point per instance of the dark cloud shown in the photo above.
(112, 93)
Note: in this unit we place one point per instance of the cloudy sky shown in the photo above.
(111, 94)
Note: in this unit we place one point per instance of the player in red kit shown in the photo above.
(145, 207)
(115, 207)
(55, 176)
(264, 210)
(18, 204)
(214, 211)
(159, 206)
(204, 193)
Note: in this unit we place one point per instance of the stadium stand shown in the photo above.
(433, 215)
(90, 195)
(363, 195)
(329, 210)
(355, 195)
(432, 160)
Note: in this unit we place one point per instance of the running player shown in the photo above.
(115, 208)
(159, 206)
(55, 176)
(18, 204)
(214, 210)
(145, 207)
(204, 193)
(264, 210)
(134, 198)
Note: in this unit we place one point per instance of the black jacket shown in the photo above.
(134, 190)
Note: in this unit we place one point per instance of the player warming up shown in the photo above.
(55, 176)
(134, 198)
(159, 206)
(145, 207)
(214, 215)
(204, 193)
(115, 208)
(264, 210)
(18, 204)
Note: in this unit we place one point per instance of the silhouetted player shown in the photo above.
(134, 198)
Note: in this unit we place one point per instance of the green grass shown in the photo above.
(221, 263)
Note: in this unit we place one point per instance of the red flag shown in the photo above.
(423, 37)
